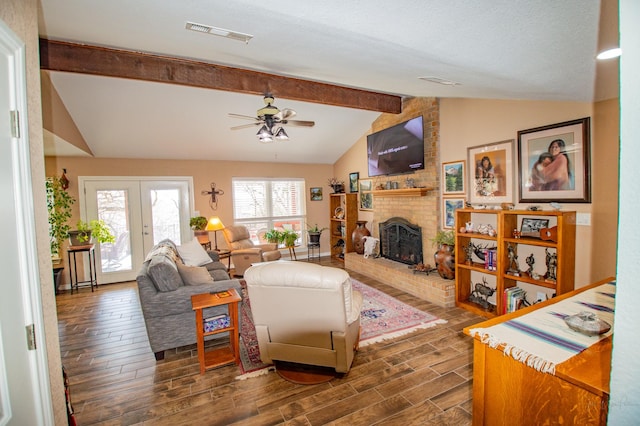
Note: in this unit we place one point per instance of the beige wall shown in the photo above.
(203, 173)
(470, 122)
(22, 17)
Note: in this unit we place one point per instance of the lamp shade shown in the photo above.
(214, 224)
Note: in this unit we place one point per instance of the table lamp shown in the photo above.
(215, 225)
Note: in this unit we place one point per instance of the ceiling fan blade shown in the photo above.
(246, 117)
(287, 114)
(301, 123)
(246, 126)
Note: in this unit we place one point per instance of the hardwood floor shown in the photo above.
(423, 378)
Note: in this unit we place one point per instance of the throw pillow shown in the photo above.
(194, 275)
(164, 274)
(193, 254)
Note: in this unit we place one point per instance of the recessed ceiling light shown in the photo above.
(609, 53)
(221, 32)
(439, 80)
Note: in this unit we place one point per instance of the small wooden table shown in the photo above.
(224, 355)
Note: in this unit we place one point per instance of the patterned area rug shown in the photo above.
(382, 317)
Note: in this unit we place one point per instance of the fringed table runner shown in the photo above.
(541, 339)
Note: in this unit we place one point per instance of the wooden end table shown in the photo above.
(224, 355)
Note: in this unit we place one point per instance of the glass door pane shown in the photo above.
(113, 210)
(117, 202)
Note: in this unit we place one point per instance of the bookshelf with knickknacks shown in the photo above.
(509, 259)
(343, 218)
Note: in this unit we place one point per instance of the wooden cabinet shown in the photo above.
(344, 214)
(504, 222)
(506, 391)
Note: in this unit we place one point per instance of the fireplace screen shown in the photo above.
(401, 241)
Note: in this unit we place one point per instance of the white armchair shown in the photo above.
(244, 252)
(304, 313)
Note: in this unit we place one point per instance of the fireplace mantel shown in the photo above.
(404, 192)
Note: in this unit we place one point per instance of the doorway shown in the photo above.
(140, 213)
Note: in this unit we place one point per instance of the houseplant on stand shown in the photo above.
(59, 204)
(273, 236)
(314, 233)
(444, 257)
(198, 225)
(94, 230)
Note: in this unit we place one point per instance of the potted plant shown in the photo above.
(314, 233)
(59, 204)
(273, 236)
(444, 257)
(95, 229)
(198, 225)
(289, 238)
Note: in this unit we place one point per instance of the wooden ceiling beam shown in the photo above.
(95, 60)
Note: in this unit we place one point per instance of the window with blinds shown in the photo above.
(262, 204)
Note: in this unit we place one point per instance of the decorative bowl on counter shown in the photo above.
(587, 323)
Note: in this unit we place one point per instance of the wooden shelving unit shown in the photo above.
(505, 222)
(342, 223)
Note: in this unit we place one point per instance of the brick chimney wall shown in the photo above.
(422, 211)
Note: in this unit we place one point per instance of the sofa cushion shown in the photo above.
(164, 273)
(194, 275)
(193, 254)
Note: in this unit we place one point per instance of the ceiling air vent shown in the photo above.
(221, 32)
(440, 81)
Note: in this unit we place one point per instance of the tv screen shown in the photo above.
(398, 149)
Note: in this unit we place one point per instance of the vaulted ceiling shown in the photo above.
(341, 55)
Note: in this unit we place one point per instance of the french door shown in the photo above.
(140, 212)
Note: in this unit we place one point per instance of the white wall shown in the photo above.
(624, 407)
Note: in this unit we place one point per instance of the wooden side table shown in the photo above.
(73, 272)
(224, 355)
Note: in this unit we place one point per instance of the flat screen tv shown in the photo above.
(397, 149)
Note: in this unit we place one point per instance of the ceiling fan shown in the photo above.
(272, 119)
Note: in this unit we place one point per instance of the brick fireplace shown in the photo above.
(421, 209)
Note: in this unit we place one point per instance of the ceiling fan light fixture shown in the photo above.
(221, 32)
(282, 135)
(266, 139)
(264, 132)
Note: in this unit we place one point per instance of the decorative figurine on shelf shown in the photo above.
(552, 265)
(512, 257)
(530, 262)
(468, 252)
(516, 233)
(481, 295)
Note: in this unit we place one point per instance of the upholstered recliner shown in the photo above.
(304, 313)
(244, 252)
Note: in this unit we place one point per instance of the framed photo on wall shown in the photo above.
(491, 173)
(353, 181)
(453, 177)
(365, 196)
(316, 193)
(449, 207)
(553, 163)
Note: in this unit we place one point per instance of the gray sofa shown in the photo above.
(165, 287)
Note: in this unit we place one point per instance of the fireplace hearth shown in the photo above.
(401, 241)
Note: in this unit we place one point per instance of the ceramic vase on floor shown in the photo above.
(357, 235)
(445, 261)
